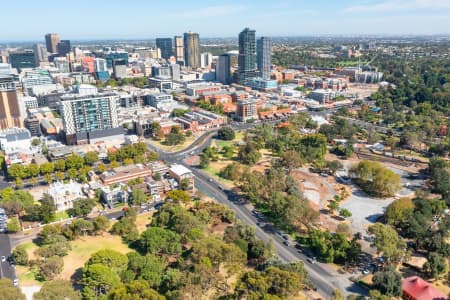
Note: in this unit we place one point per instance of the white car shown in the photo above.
(16, 282)
(3, 258)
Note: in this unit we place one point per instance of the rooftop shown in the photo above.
(179, 170)
(419, 289)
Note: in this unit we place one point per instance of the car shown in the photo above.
(16, 282)
(3, 258)
(285, 236)
(210, 180)
(286, 243)
(220, 187)
(312, 260)
(365, 271)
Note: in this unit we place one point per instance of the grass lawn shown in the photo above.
(159, 144)
(143, 220)
(84, 247)
(239, 135)
(214, 169)
(61, 216)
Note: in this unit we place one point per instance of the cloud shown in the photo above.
(399, 5)
(210, 11)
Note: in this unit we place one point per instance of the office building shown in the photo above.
(110, 57)
(10, 113)
(167, 71)
(34, 78)
(246, 110)
(165, 45)
(192, 50)
(22, 59)
(90, 118)
(63, 47)
(223, 66)
(247, 56)
(6, 69)
(40, 53)
(30, 102)
(62, 64)
(51, 41)
(264, 56)
(100, 65)
(179, 48)
(206, 59)
(119, 68)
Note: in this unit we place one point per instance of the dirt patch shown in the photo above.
(143, 220)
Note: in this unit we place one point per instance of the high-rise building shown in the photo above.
(206, 59)
(192, 50)
(63, 48)
(179, 48)
(10, 112)
(51, 40)
(264, 56)
(22, 59)
(88, 118)
(100, 65)
(119, 68)
(246, 110)
(223, 66)
(116, 55)
(165, 45)
(247, 56)
(62, 64)
(40, 53)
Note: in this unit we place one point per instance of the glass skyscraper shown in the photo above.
(264, 52)
(247, 56)
(192, 50)
(165, 45)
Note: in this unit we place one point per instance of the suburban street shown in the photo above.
(323, 277)
(6, 269)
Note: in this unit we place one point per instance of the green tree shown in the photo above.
(112, 259)
(101, 224)
(47, 168)
(36, 142)
(60, 176)
(47, 209)
(158, 240)
(139, 289)
(74, 161)
(178, 196)
(81, 227)
(114, 164)
(248, 154)
(90, 158)
(126, 228)
(33, 170)
(6, 193)
(399, 211)
(387, 242)
(138, 197)
(48, 178)
(51, 267)
(81, 207)
(60, 165)
(436, 265)
(337, 295)
(388, 282)
(345, 213)
(226, 134)
(101, 168)
(72, 173)
(9, 291)
(13, 225)
(57, 290)
(98, 280)
(20, 255)
(17, 171)
(19, 202)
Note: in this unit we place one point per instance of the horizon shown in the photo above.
(211, 19)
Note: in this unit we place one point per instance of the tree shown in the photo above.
(48, 178)
(60, 176)
(248, 154)
(226, 134)
(33, 170)
(337, 295)
(388, 282)
(291, 160)
(387, 242)
(101, 168)
(114, 164)
(333, 206)
(60, 165)
(9, 291)
(345, 213)
(157, 176)
(17, 171)
(81, 227)
(35, 142)
(98, 280)
(57, 290)
(47, 209)
(334, 166)
(112, 259)
(13, 225)
(126, 228)
(51, 267)
(376, 179)
(20, 255)
(158, 240)
(101, 224)
(178, 196)
(90, 158)
(436, 265)
(81, 207)
(128, 161)
(74, 161)
(399, 211)
(155, 127)
(47, 168)
(72, 173)
(139, 289)
(138, 197)
(6, 193)
(18, 202)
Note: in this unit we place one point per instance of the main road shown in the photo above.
(322, 276)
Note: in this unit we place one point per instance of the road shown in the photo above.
(323, 277)
(6, 270)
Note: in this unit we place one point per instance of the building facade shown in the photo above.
(40, 53)
(89, 117)
(51, 40)
(63, 48)
(165, 45)
(206, 59)
(22, 59)
(179, 48)
(192, 50)
(223, 69)
(247, 56)
(246, 110)
(10, 113)
(264, 56)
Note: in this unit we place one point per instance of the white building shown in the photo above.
(13, 140)
(100, 65)
(64, 194)
(206, 59)
(30, 102)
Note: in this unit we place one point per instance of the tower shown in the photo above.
(264, 52)
(247, 56)
(192, 50)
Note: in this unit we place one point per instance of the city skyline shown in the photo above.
(216, 19)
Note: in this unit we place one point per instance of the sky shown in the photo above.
(109, 19)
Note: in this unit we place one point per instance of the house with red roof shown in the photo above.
(415, 288)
